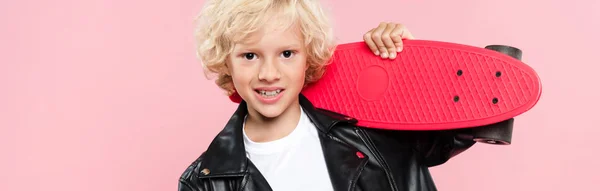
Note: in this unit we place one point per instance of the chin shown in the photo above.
(269, 111)
(269, 114)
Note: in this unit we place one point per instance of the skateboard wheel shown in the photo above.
(497, 134)
(508, 50)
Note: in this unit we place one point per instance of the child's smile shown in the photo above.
(268, 70)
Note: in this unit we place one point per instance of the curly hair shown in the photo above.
(223, 23)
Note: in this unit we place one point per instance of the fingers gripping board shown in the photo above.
(430, 85)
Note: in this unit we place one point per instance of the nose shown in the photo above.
(269, 70)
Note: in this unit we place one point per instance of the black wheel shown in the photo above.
(498, 133)
(508, 50)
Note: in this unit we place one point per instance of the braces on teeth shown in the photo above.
(269, 93)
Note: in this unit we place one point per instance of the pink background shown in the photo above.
(108, 95)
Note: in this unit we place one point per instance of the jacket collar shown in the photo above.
(226, 155)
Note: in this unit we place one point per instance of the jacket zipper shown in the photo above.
(371, 147)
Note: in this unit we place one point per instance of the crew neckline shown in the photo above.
(275, 146)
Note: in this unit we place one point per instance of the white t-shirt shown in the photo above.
(295, 162)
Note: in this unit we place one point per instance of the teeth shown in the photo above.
(269, 93)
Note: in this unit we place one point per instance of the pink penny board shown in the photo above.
(429, 86)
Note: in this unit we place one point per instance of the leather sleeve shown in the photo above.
(437, 147)
(431, 147)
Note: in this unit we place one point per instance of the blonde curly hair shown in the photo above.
(223, 23)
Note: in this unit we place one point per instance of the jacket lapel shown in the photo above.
(226, 155)
(343, 164)
(344, 161)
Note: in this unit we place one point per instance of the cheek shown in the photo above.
(300, 72)
(305, 68)
(240, 76)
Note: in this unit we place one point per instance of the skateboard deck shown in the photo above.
(430, 85)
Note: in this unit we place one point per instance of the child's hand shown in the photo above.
(386, 39)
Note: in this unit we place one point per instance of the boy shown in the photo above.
(267, 51)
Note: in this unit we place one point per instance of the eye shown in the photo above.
(249, 56)
(287, 54)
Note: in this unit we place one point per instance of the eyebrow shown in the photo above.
(292, 46)
(253, 47)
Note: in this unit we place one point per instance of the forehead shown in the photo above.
(273, 33)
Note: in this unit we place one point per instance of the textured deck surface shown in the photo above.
(429, 86)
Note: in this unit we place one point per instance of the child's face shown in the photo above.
(268, 70)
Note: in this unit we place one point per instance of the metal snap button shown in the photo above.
(205, 171)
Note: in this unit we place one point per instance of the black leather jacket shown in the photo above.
(357, 158)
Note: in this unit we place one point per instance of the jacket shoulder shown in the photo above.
(192, 169)
(189, 175)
